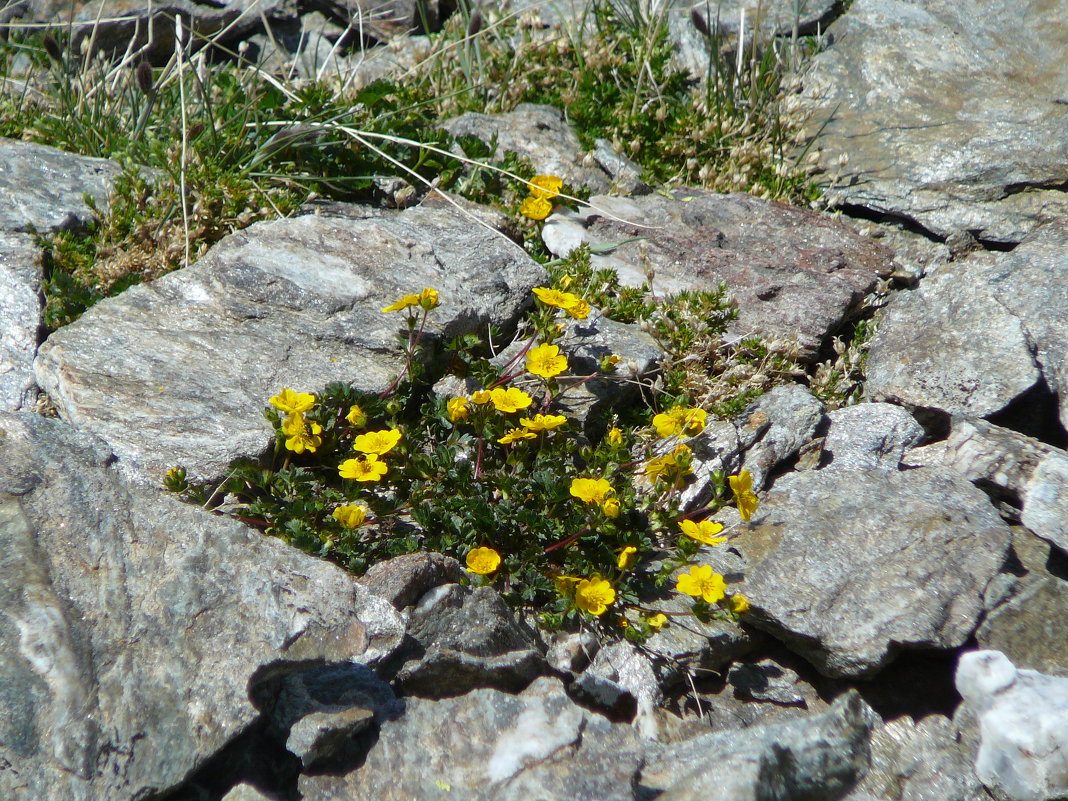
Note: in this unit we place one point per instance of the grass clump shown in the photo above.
(500, 476)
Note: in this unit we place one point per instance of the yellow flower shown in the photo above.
(738, 603)
(404, 303)
(704, 531)
(483, 560)
(298, 439)
(572, 304)
(680, 420)
(610, 507)
(615, 436)
(481, 396)
(356, 416)
(546, 186)
(377, 442)
(428, 299)
(516, 435)
(742, 487)
(657, 621)
(351, 515)
(457, 409)
(546, 361)
(627, 557)
(366, 468)
(292, 402)
(591, 490)
(510, 400)
(580, 310)
(536, 208)
(701, 582)
(543, 422)
(594, 596)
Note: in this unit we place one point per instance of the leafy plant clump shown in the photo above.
(501, 475)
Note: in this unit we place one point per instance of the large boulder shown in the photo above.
(179, 370)
(133, 628)
(951, 114)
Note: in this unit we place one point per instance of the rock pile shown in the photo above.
(150, 649)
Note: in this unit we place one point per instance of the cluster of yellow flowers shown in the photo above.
(372, 445)
(301, 435)
(664, 473)
(569, 302)
(543, 188)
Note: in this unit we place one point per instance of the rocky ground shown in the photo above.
(907, 566)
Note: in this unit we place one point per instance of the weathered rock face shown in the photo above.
(847, 567)
(794, 274)
(1028, 627)
(869, 436)
(539, 134)
(921, 760)
(132, 624)
(1030, 474)
(42, 190)
(539, 744)
(949, 113)
(293, 302)
(1023, 721)
(20, 318)
(980, 332)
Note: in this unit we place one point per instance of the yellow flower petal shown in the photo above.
(292, 402)
(703, 532)
(594, 596)
(483, 561)
(350, 515)
(510, 400)
(377, 442)
(546, 186)
(546, 361)
(536, 208)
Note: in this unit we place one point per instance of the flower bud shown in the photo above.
(144, 78)
(475, 24)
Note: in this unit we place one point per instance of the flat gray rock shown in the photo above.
(132, 625)
(952, 114)
(43, 189)
(869, 436)
(951, 345)
(178, 371)
(540, 134)
(791, 414)
(795, 274)
(846, 568)
(20, 319)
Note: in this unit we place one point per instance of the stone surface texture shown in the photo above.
(133, 625)
(951, 114)
(20, 319)
(846, 568)
(869, 436)
(1023, 720)
(539, 134)
(1028, 627)
(795, 274)
(539, 744)
(293, 302)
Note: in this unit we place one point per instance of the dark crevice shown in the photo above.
(906, 223)
(255, 757)
(915, 684)
(1057, 563)
(888, 218)
(1034, 413)
(1027, 186)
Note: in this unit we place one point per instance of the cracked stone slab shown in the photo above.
(849, 567)
(43, 189)
(951, 114)
(178, 371)
(979, 332)
(795, 274)
(132, 625)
